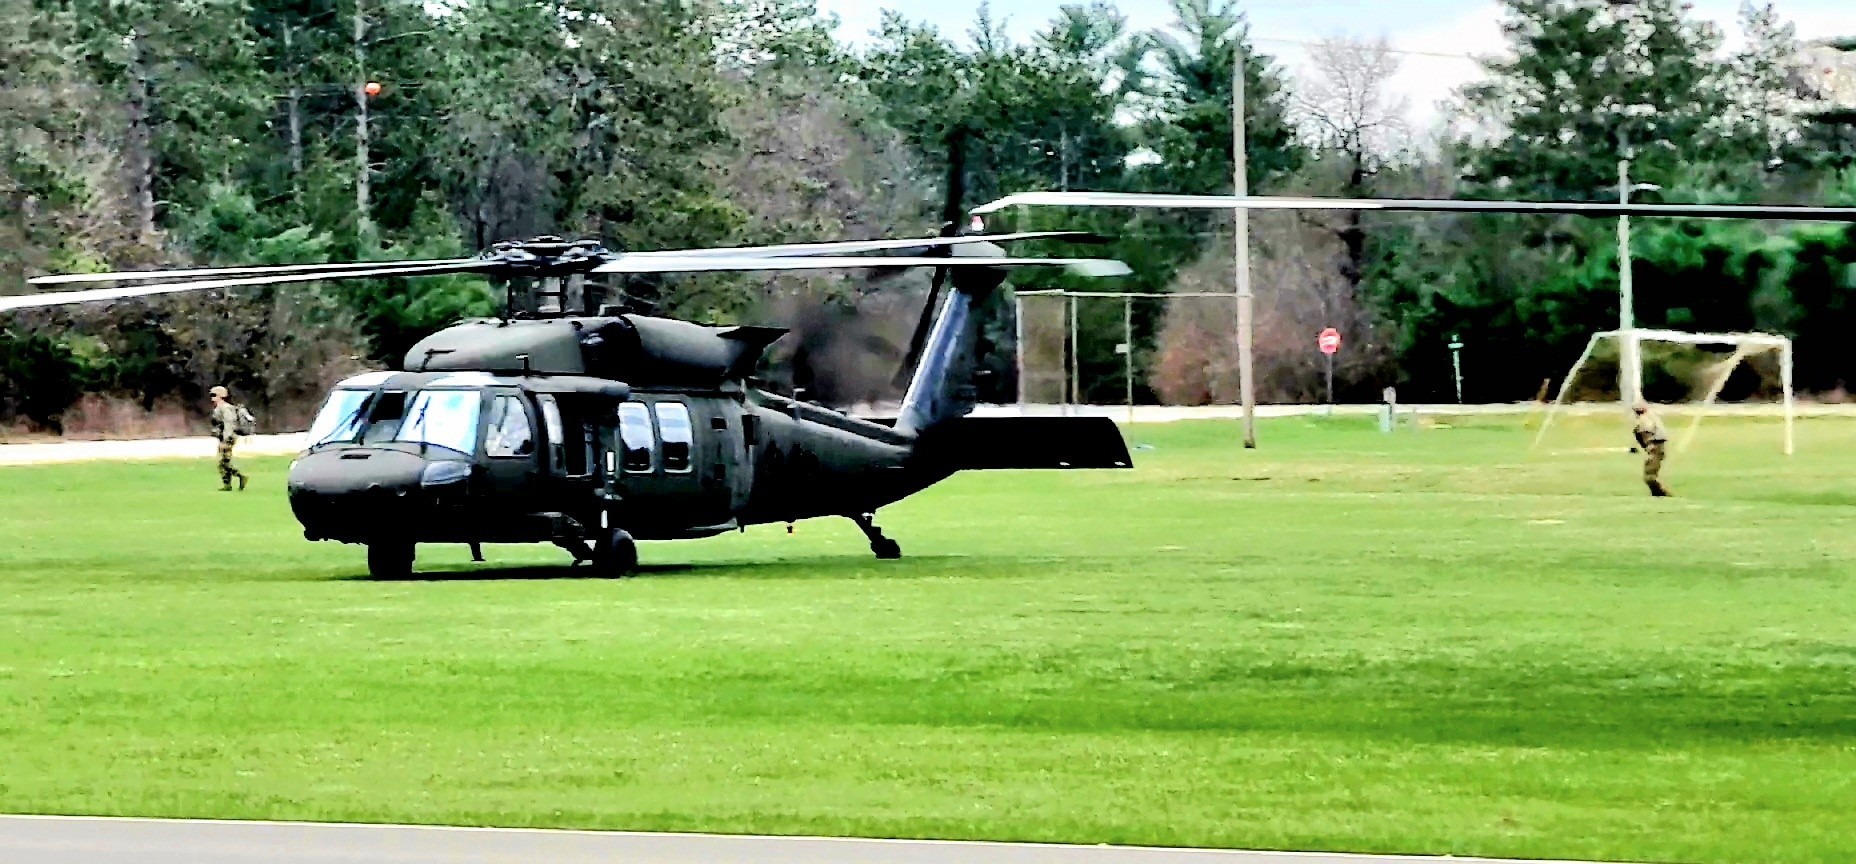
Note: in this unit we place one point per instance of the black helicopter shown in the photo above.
(569, 420)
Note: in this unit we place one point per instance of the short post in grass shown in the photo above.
(1456, 365)
(1388, 410)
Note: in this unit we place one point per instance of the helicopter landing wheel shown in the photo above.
(389, 559)
(616, 555)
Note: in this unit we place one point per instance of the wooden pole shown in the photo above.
(1241, 184)
(1631, 366)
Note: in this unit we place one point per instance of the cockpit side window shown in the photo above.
(341, 417)
(673, 423)
(635, 434)
(510, 434)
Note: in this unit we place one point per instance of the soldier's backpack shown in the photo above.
(246, 424)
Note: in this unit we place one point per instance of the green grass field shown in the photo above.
(1428, 642)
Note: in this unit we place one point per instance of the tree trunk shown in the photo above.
(141, 147)
(362, 181)
(1352, 234)
(1063, 161)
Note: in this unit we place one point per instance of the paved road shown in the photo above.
(65, 840)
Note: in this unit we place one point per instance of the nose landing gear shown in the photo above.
(884, 548)
(389, 559)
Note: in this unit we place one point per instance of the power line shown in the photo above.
(1389, 50)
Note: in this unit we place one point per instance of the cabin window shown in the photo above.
(510, 434)
(556, 432)
(673, 422)
(578, 451)
(635, 436)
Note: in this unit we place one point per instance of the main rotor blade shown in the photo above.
(848, 247)
(137, 275)
(65, 298)
(1262, 202)
(634, 264)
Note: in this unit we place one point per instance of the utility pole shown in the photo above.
(1630, 366)
(1241, 187)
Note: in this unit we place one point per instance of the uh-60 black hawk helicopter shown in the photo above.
(571, 421)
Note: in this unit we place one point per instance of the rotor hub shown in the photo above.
(547, 256)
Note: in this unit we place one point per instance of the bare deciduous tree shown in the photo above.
(1355, 127)
(1300, 290)
(1346, 107)
(807, 168)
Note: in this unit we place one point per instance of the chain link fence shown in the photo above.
(1087, 348)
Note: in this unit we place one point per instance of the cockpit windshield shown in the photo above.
(341, 418)
(442, 418)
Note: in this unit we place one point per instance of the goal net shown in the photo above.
(1686, 378)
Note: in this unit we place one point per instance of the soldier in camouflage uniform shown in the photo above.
(1652, 439)
(225, 428)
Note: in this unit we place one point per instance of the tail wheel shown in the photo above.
(616, 554)
(389, 559)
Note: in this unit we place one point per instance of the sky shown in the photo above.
(1462, 28)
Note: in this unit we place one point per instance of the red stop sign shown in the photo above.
(1329, 341)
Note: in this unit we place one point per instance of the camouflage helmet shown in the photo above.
(1640, 406)
(220, 392)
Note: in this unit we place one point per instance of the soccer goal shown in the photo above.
(1685, 373)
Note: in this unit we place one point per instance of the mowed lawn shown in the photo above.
(1425, 642)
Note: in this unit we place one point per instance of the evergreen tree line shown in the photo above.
(146, 133)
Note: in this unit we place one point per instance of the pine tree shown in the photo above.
(1190, 129)
(1591, 83)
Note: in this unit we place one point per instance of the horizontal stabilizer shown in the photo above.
(1004, 443)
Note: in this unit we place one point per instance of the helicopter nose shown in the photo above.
(347, 494)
